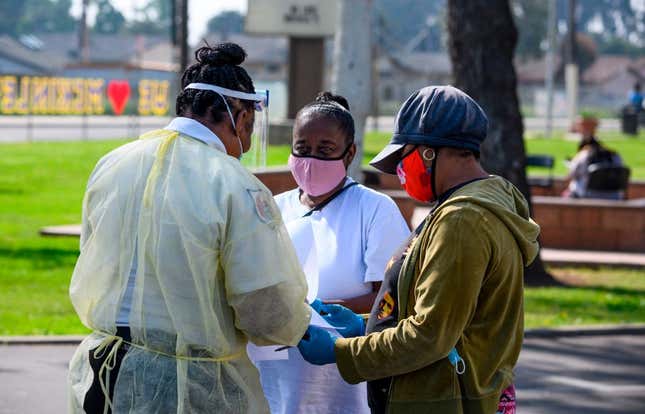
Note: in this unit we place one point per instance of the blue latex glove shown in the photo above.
(318, 306)
(346, 322)
(317, 346)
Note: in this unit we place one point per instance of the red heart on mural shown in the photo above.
(118, 92)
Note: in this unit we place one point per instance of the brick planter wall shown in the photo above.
(591, 224)
(565, 223)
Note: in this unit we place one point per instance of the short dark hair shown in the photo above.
(334, 107)
(218, 65)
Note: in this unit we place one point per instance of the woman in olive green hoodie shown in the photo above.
(447, 327)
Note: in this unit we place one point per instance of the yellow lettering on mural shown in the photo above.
(8, 86)
(160, 98)
(144, 105)
(73, 96)
(39, 89)
(153, 97)
(63, 96)
(22, 99)
(94, 99)
(76, 94)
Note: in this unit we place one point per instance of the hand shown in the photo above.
(318, 306)
(346, 322)
(317, 346)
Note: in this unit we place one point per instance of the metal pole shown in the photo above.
(375, 80)
(184, 34)
(551, 26)
(84, 127)
(571, 33)
(173, 22)
(84, 45)
(30, 126)
(571, 69)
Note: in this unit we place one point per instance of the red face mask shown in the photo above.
(415, 178)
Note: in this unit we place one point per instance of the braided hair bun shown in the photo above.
(220, 54)
(326, 96)
(216, 65)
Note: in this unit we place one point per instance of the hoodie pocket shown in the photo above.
(432, 383)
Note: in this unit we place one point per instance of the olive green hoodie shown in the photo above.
(460, 285)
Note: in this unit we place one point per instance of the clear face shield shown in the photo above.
(256, 156)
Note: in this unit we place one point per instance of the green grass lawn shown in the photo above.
(593, 296)
(42, 184)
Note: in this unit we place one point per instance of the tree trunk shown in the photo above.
(482, 39)
(351, 73)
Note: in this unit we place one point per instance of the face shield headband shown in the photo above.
(256, 156)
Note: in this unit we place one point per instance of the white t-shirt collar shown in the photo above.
(197, 130)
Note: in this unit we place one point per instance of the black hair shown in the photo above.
(333, 107)
(218, 65)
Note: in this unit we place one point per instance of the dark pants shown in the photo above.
(94, 399)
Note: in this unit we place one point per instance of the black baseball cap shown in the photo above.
(436, 116)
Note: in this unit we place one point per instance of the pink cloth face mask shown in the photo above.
(316, 176)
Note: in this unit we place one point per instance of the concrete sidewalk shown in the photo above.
(591, 258)
(590, 374)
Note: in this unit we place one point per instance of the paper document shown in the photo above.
(317, 320)
(268, 353)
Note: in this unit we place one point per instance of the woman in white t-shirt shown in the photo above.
(345, 234)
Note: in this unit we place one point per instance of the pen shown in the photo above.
(282, 348)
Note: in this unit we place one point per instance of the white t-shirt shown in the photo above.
(355, 236)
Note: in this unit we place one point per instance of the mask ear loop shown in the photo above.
(433, 167)
(239, 141)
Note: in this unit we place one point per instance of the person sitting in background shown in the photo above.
(590, 151)
(636, 98)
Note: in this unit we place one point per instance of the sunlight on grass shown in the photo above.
(594, 296)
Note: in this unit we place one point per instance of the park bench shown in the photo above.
(608, 181)
(541, 161)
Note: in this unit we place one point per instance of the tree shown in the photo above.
(618, 19)
(36, 16)
(153, 18)
(11, 11)
(482, 39)
(352, 70)
(226, 22)
(531, 16)
(404, 20)
(108, 19)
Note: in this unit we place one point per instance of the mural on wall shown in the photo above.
(81, 96)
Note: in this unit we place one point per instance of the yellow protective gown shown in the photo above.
(215, 268)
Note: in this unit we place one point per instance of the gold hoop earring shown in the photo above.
(425, 156)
